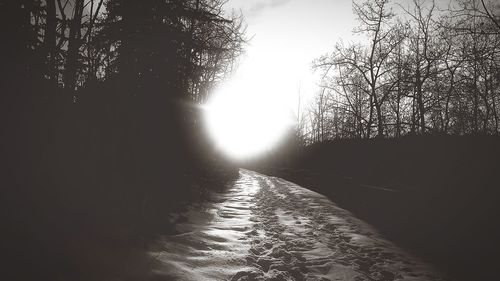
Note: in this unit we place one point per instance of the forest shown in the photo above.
(412, 69)
(404, 130)
(101, 126)
(103, 137)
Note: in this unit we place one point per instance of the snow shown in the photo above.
(266, 228)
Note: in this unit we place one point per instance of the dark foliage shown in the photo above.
(434, 195)
(101, 133)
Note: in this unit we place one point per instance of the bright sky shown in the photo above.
(250, 113)
(287, 35)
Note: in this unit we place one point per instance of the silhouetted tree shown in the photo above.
(424, 71)
(101, 129)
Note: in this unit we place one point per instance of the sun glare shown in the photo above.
(244, 121)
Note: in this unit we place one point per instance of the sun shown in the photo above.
(244, 119)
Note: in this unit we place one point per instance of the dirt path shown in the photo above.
(265, 228)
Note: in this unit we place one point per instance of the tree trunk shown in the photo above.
(50, 41)
(421, 110)
(398, 116)
(495, 113)
(370, 119)
(74, 43)
(380, 121)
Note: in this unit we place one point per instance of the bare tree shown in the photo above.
(428, 71)
(425, 55)
(370, 62)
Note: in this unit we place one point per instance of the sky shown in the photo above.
(286, 36)
(252, 111)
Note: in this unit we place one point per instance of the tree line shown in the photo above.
(417, 69)
(100, 119)
(183, 46)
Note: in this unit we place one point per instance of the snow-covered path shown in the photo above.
(266, 228)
